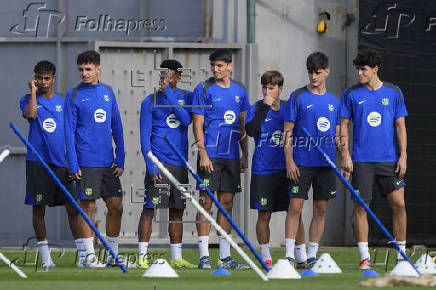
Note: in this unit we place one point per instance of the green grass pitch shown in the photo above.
(67, 276)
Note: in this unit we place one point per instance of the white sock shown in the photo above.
(45, 252)
(88, 244)
(224, 248)
(142, 249)
(176, 251)
(80, 249)
(300, 253)
(312, 250)
(203, 245)
(290, 246)
(264, 251)
(113, 243)
(363, 250)
(402, 245)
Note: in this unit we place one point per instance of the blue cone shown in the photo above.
(370, 273)
(308, 273)
(221, 271)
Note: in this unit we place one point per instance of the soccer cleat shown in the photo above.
(91, 262)
(230, 263)
(311, 262)
(365, 264)
(143, 263)
(182, 263)
(204, 263)
(49, 264)
(291, 261)
(302, 265)
(268, 263)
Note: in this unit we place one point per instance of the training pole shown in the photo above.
(195, 203)
(70, 197)
(12, 266)
(217, 203)
(360, 200)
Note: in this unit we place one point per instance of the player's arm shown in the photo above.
(347, 163)
(198, 122)
(242, 137)
(292, 170)
(181, 113)
(31, 110)
(253, 126)
(70, 123)
(400, 128)
(117, 134)
(337, 137)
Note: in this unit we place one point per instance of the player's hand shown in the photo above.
(243, 163)
(401, 166)
(347, 166)
(206, 164)
(157, 178)
(268, 100)
(164, 81)
(78, 175)
(292, 171)
(32, 85)
(117, 171)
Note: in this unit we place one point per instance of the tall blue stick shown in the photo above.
(360, 200)
(217, 203)
(72, 200)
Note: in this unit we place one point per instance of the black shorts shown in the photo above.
(269, 192)
(322, 179)
(382, 173)
(41, 189)
(164, 194)
(226, 175)
(98, 182)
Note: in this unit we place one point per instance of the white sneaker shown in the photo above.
(90, 262)
(48, 264)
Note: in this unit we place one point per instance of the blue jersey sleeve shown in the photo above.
(145, 123)
(291, 110)
(346, 106)
(70, 123)
(117, 134)
(23, 102)
(181, 113)
(198, 99)
(400, 107)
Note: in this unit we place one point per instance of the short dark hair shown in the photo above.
(316, 61)
(172, 64)
(88, 57)
(223, 54)
(45, 67)
(367, 57)
(272, 77)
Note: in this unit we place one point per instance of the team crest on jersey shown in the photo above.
(58, 108)
(106, 98)
(172, 121)
(331, 107)
(49, 125)
(181, 102)
(385, 101)
(237, 99)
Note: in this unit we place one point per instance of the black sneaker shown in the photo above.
(311, 262)
(291, 261)
(302, 265)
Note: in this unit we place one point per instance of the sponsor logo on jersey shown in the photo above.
(58, 108)
(106, 98)
(172, 121)
(229, 117)
(331, 107)
(277, 138)
(385, 101)
(323, 124)
(237, 99)
(374, 119)
(49, 125)
(100, 116)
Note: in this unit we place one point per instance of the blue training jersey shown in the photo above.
(373, 113)
(92, 119)
(319, 114)
(268, 156)
(46, 132)
(221, 120)
(159, 122)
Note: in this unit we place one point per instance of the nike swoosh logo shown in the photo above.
(399, 182)
(309, 106)
(38, 107)
(267, 120)
(361, 102)
(216, 100)
(333, 192)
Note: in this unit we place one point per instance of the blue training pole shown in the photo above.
(70, 197)
(359, 199)
(217, 203)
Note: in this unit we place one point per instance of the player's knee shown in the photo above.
(116, 209)
(147, 213)
(227, 204)
(398, 206)
(39, 211)
(176, 214)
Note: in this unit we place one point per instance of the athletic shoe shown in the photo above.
(268, 263)
(365, 264)
(311, 262)
(143, 263)
(182, 263)
(90, 262)
(204, 263)
(48, 265)
(291, 261)
(230, 263)
(302, 265)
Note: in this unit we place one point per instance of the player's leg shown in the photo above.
(263, 234)
(38, 213)
(87, 235)
(226, 201)
(145, 227)
(300, 246)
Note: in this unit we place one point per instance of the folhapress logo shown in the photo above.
(374, 119)
(172, 121)
(49, 125)
(323, 124)
(37, 20)
(100, 116)
(229, 117)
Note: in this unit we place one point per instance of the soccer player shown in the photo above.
(217, 129)
(378, 113)
(157, 123)
(43, 108)
(316, 109)
(92, 119)
(269, 184)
